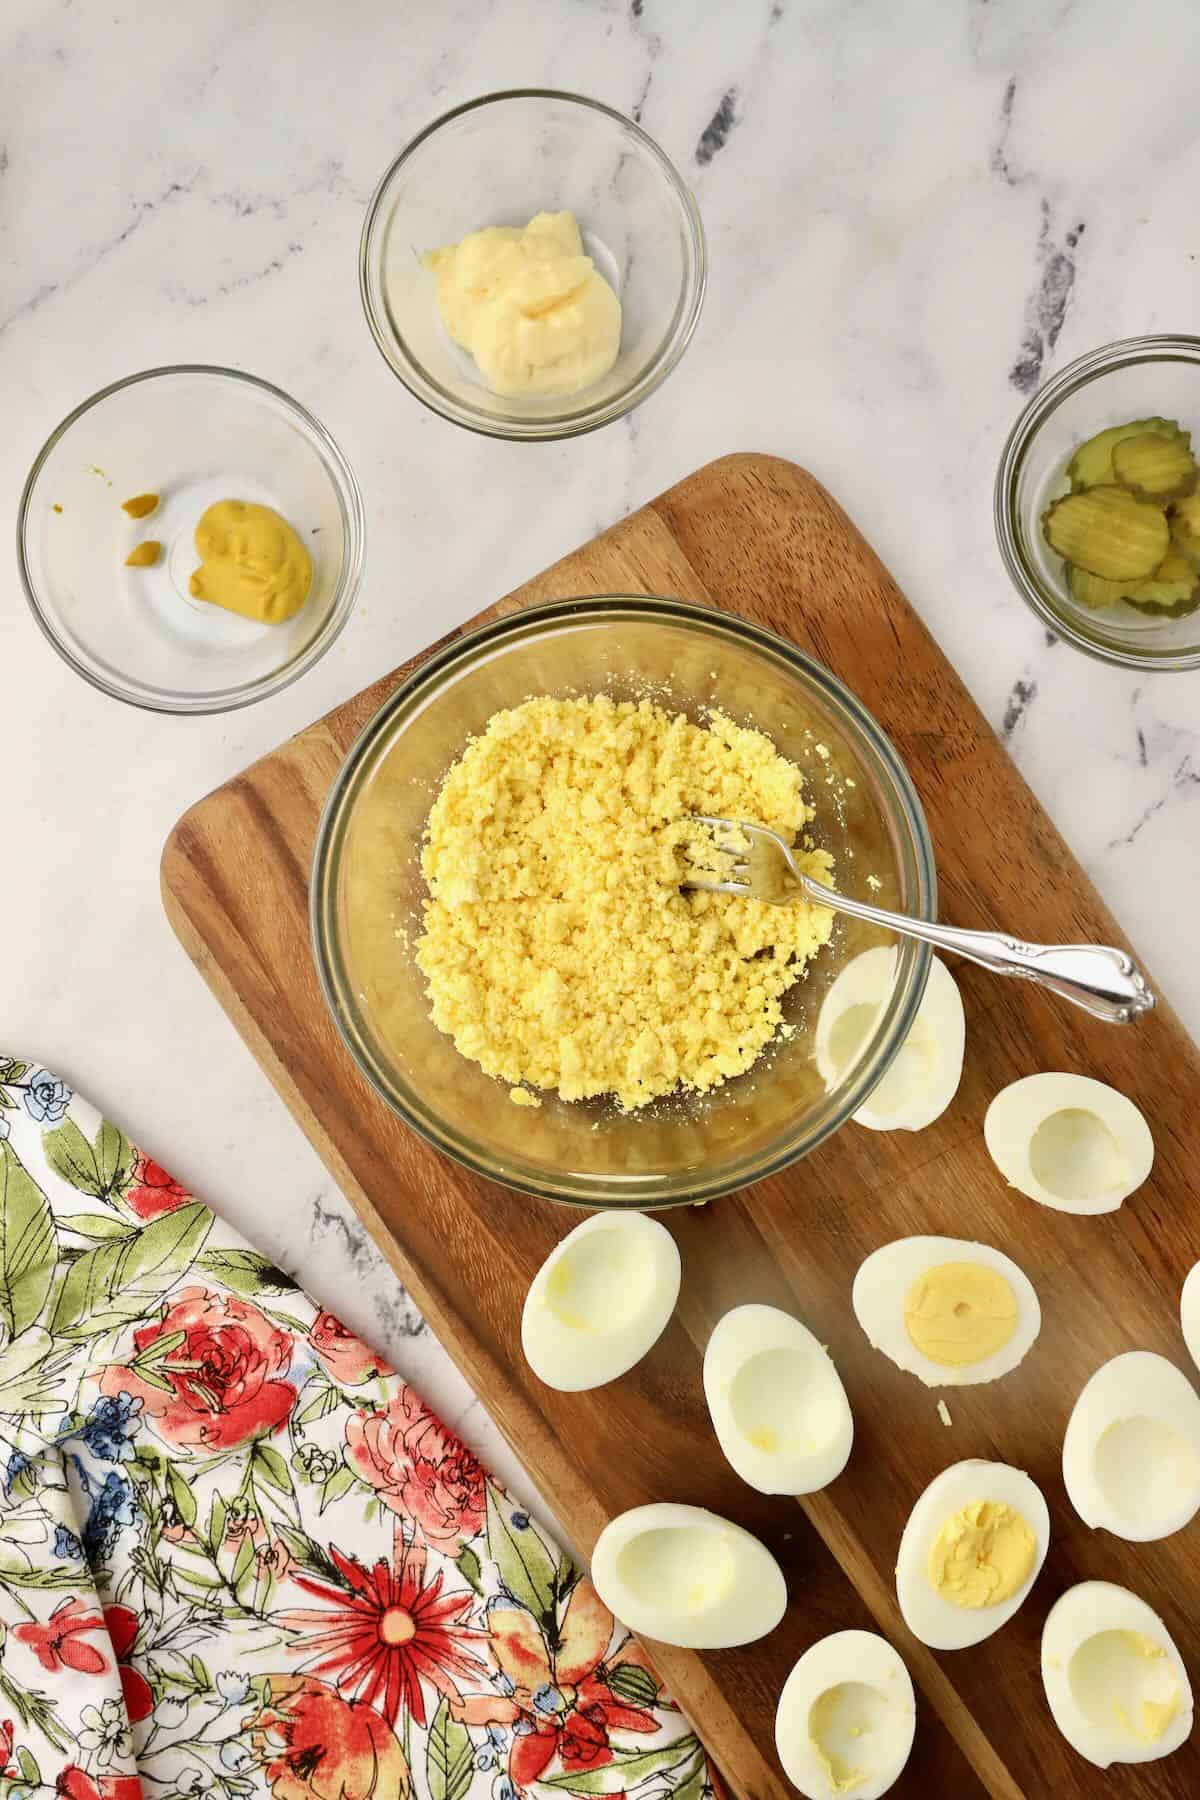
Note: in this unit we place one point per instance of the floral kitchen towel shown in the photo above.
(238, 1555)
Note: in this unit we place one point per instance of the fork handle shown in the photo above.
(1101, 979)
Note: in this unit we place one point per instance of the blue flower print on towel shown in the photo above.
(46, 1097)
(109, 1430)
(66, 1544)
(111, 1511)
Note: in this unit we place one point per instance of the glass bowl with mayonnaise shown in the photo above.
(190, 539)
(532, 265)
(373, 907)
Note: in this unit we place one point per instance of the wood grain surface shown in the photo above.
(761, 537)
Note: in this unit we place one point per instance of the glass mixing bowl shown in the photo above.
(1137, 378)
(193, 435)
(689, 658)
(498, 161)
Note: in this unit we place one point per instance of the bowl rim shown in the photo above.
(393, 348)
(337, 989)
(1038, 409)
(350, 503)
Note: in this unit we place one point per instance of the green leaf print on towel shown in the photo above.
(28, 1244)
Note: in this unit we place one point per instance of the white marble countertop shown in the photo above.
(912, 212)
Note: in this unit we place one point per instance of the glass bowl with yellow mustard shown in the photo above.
(190, 539)
(532, 265)
(498, 925)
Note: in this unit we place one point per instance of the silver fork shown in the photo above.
(1104, 981)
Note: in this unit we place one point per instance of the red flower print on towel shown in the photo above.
(419, 1470)
(122, 1629)
(224, 1375)
(315, 1745)
(7, 1738)
(561, 1698)
(151, 1191)
(347, 1358)
(386, 1631)
(60, 1642)
(74, 1784)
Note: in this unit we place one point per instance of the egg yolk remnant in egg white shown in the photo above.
(982, 1555)
(824, 1720)
(1153, 1716)
(559, 949)
(959, 1313)
(529, 305)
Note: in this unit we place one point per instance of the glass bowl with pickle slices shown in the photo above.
(1098, 503)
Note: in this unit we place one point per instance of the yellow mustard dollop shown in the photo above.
(529, 305)
(251, 562)
(140, 506)
(959, 1313)
(144, 555)
(982, 1555)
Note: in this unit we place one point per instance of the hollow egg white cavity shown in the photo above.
(1115, 1683)
(776, 1401)
(1189, 1312)
(688, 1577)
(1068, 1142)
(984, 1519)
(1131, 1452)
(601, 1299)
(846, 1718)
(925, 1302)
(924, 1074)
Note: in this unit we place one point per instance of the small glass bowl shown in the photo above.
(498, 161)
(368, 892)
(1133, 379)
(194, 435)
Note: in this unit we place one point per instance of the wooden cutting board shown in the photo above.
(761, 537)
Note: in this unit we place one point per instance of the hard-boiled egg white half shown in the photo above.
(1189, 1312)
(1068, 1142)
(947, 1310)
(846, 1718)
(1115, 1683)
(1131, 1452)
(971, 1551)
(776, 1401)
(602, 1297)
(924, 1074)
(688, 1577)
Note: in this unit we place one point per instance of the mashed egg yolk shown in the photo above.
(982, 1555)
(559, 950)
(959, 1313)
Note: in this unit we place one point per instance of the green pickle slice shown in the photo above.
(1171, 591)
(1092, 463)
(1107, 532)
(1093, 591)
(1154, 467)
(1185, 528)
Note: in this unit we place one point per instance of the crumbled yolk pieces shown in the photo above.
(559, 950)
(983, 1555)
(959, 1313)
